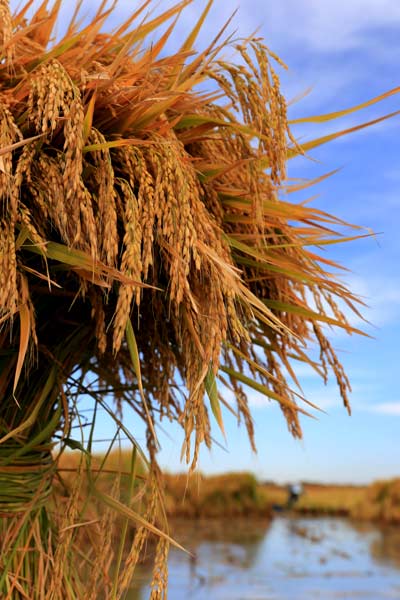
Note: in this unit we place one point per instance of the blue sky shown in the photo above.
(347, 51)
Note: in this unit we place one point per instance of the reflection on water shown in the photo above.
(386, 547)
(288, 559)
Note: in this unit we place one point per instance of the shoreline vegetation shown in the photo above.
(240, 494)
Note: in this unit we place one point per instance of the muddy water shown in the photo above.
(288, 559)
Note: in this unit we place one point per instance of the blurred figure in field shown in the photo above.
(295, 490)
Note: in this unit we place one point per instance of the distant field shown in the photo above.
(231, 494)
(240, 494)
(319, 498)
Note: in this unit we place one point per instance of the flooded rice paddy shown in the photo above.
(286, 559)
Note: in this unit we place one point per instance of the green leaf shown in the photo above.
(134, 516)
(134, 353)
(87, 123)
(74, 445)
(195, 120)
(113, 144)
(30, 420)
(263, 389)
(310, 314)
(84, 264)
(292, 152)
(343, 113)
(24, 335)
(11, 147)
(42, 436)
(212, 391)
(190, 40)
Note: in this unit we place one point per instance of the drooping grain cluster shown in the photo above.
(145, 245)
(6, 32)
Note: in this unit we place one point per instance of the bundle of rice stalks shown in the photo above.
(143, 245)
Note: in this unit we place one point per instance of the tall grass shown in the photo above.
(381, 502)
(142, 244)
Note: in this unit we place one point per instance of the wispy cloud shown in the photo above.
(386, 408)
(326, 26)
(380, 293)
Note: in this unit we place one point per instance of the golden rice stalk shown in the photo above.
(6, 33)
(160, 575)
(131, 264)
(103, 195)
(8, 270)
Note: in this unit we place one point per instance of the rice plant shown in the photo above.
(146, 253)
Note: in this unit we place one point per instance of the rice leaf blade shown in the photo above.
(212, 392)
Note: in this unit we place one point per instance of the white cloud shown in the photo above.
(325, 26)
(386, 408)
(331, 25)
(380, 293)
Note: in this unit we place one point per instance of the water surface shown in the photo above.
(287, 559)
